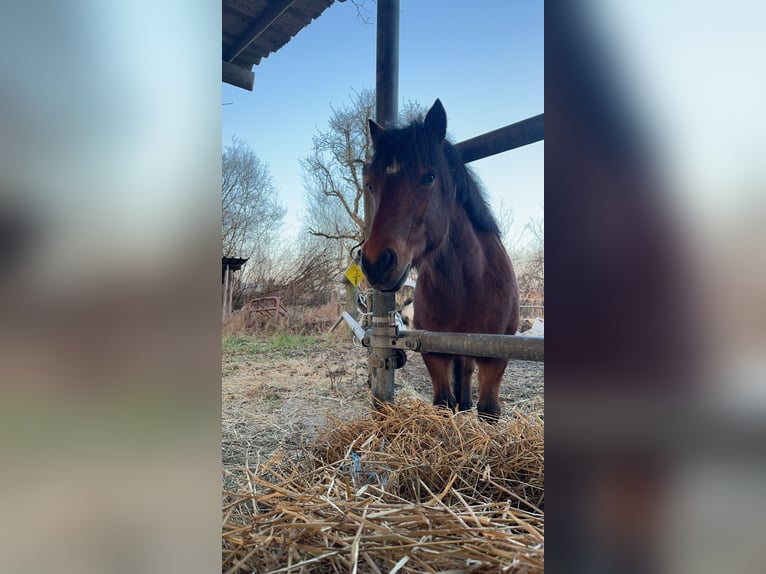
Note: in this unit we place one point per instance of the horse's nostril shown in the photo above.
(387, 260)
(379, 270)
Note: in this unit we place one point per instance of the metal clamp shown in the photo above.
(406, 342)
(396, 361)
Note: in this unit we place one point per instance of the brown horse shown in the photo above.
(429, 213)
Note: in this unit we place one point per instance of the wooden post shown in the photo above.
(231, 296)
(225, 302)
(276, 309)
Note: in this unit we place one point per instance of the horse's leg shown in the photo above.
(463, 371)
(440, 369)
(490, 374)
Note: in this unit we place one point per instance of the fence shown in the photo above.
(532, 308)
(265, 307)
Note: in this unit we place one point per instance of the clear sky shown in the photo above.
(484, 60)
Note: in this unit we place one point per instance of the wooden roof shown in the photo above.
(254, 29)
(232, 264)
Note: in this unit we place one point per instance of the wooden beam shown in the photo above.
(266, 19)
(231, 297)
(236, 76)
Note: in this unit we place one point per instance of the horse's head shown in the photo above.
(412, 194)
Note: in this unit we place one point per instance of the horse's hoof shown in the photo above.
(489, 412)
(446, 403)
(491, 418)
(445, 409)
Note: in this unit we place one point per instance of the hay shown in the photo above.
(409, 489)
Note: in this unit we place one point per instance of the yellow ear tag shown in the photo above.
(354, 274)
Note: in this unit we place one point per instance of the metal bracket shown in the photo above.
(406, 342)
(397, 361)
(393, 338)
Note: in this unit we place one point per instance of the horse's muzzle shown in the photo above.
(382, 273)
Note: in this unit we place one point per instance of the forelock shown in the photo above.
(401, 149)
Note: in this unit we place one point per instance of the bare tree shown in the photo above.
(530, 263)
(363, 12)
(251, 212)
(526, 247)
(534, 270)
(299, 272)
(313, 268)
(510, 234)
(333, 173)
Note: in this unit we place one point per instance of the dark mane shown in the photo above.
(409, 144)
(405, 146)
(469, 194)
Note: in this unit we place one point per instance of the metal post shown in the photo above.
(382, 360)
(387, 63)
(351, 293)
(506, 138)
(355, 327)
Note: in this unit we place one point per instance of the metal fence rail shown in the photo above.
(521, 133)
(517, 347)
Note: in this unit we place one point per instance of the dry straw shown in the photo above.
(409, 489)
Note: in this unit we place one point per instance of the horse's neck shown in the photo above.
(459, 256)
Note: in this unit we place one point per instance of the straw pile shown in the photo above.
(409, 489)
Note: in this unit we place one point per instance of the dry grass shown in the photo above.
(234, 325)
(300, 320)
(410, 489)
(276, 391)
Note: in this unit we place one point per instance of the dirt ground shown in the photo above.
(276, 391)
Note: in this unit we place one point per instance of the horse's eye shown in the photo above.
(428, 179)
(369, 187)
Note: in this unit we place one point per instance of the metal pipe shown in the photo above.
(382, 360)
(517, 347)
(358, 330)
(387, 63)
(512, 136)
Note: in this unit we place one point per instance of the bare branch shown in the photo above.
(333, 175)
(251, 212)
(332, 235)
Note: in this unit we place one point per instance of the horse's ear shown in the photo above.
(436, 121)
(375, 130)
